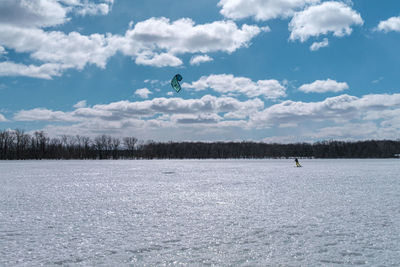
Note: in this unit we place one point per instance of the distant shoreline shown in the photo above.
(183, 159)
(18, 145)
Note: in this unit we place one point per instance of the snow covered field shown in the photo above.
(223, 212)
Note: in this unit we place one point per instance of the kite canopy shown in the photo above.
(175, 82)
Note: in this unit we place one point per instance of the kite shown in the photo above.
(175, 82)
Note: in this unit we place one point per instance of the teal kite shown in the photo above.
(175, 82)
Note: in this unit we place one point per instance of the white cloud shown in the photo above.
(197, 60)
(262, 9)
(288, 125)
(391, 24)
(317, 45)
(345, 132)
(173, 117)
(370, 116)
(390, 117)
(32, 13)
(297, 112)
(143, 93)
(147, 38)
(281, 139)
(151, 81)
(378, 80)
(72, 50)
(87, 112)
(80, 104)
(2, 51)
(353, 130)
(46, 13)
(2, 118)
(43, 114)
(228, 84)
(45, 71)
(328, 17)
(88, 8)
(196, 119)
(147, 108)
(158, 60)
(154, 42)
(244, 110)
(340, 109)
(323, 86)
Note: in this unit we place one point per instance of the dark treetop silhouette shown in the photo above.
(16, 144)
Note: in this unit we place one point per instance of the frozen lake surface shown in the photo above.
(200, 212)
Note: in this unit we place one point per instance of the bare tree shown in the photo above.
(6, 143)
(115, 146)
(22, 142)
(103, 144)
(15, 144)
(130, 143)
(86, 146)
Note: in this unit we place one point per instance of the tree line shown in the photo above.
(18, 145)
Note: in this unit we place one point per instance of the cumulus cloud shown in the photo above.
(89, 8)
(262, 9)
(71, 50)
(149, 118)
(147, 38)
(46, 13)
(317, 45)
(43, 114)
(154, 42)
(323, 86)
(186, 125)
(2, 51)
(296, 112)
(229, 84)
(2, 118)
(45, 71)
(328, 17)
(151, 81)
(147, 108)
(197, 60)
(391, 24)
(343, 108)
(342, 116)
(149, 58)
(195, 119)
(353, 130)
(377, 80)
(390, 117)
(80, 104)
(32, 13)
(143, 93)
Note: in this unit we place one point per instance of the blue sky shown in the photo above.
(269, 70)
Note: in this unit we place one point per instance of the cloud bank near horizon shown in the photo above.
(202, 118)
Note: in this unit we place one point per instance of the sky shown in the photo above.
(262, 70)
